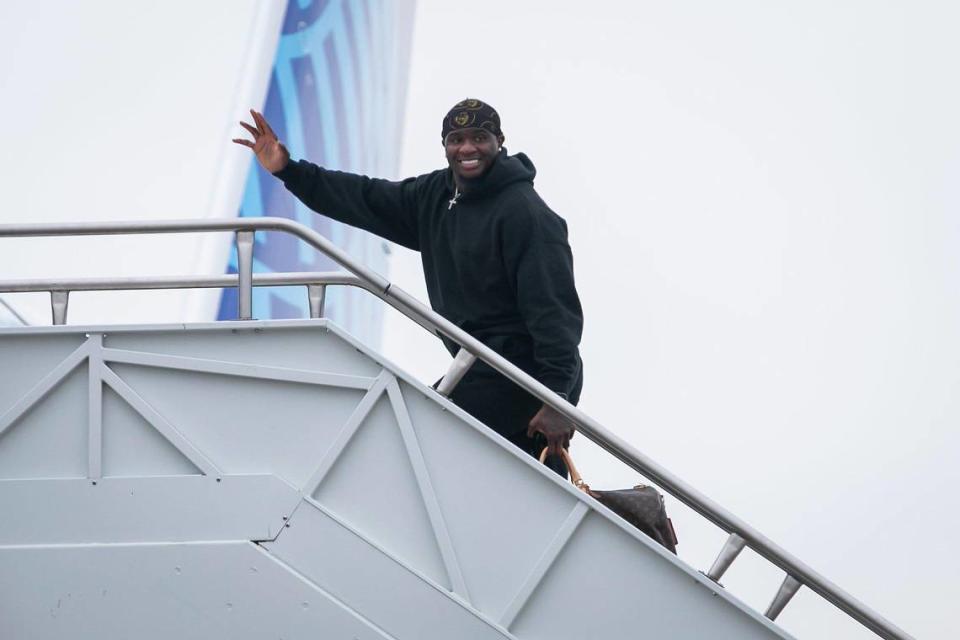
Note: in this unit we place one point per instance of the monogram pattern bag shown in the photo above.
(642, 506)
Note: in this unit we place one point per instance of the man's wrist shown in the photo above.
(286, 171)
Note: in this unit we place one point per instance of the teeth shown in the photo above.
(470, 163)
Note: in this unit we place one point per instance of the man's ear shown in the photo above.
(500, 139)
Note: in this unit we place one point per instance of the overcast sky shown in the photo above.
(763, 207)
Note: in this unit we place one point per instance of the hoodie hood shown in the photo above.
(505, 171)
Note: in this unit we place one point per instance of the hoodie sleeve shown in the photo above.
(385, 208)
(538, 256)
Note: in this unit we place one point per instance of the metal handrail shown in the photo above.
(798, 573)
(224, 281)
(315, 281)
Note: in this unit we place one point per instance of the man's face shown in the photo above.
(471, 152)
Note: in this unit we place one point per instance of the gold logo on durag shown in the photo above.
(462, 118)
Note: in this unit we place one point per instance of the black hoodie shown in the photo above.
(497, 262)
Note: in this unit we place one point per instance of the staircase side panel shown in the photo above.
(398, 598)
(26, 359)
(372, 486)
(158, 592)
(612, 585)
(152, 509)
(493, 501)
(50, 439)
(495, 535)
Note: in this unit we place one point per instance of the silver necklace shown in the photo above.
(453, 200)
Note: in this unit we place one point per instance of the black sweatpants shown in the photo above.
(507, 409)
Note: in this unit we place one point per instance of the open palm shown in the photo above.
(271, 154)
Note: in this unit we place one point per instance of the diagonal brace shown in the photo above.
(47, 384)
(158, 422)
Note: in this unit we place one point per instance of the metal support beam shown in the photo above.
(550, 555)
(245, 272)
(731, 549)
(347, 431)
(59, 301)
(47, 384)
(458, 368)
(95, 407)
(787, 590)
(158, 422)
(316, 296)
(437, 522)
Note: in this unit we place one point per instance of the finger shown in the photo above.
(253, 114)
(266, 125)
(252, 129)
(261, 122)
(245, 143)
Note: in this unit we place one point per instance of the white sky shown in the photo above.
(763, 206)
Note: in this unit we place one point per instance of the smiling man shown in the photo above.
(495, 257)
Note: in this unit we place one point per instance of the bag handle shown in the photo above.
(575, 476)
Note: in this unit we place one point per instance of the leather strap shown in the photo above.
(575, 476)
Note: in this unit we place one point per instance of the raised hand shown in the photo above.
(270, 152)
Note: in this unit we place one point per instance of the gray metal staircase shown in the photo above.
(279, 479)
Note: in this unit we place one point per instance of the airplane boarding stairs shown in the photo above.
(279, 479)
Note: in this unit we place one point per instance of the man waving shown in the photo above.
(495, 257)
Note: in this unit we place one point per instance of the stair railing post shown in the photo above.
(245, 240)
(787, 590)
(59, 303)
(316, 296)
(731, 549)
(458, 368)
